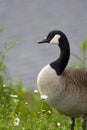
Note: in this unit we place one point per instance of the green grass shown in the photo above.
(23, 110)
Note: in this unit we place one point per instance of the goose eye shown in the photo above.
(50, 35)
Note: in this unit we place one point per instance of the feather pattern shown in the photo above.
(67, 93)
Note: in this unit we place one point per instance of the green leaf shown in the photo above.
(2, 28)
(84, 45)
(11, 45)
(2, 55)
(2, 66)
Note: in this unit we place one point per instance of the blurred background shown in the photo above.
(29, 21)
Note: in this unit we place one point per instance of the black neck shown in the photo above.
(60, 64)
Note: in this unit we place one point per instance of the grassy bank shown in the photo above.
(22, 109)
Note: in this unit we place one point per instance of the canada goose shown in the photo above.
(64, 89)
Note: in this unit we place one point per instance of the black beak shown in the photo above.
(43, 41)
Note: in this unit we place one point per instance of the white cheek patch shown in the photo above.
(55, 39)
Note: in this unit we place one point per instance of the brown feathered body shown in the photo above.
(67, 93)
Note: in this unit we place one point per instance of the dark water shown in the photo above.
(29, 21)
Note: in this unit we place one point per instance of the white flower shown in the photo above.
(16, 121)
(4, 85)
(44, 97)
(16, 100)
(26, 103)
(35, 91)
(38, 112)
(58, 124)
(43, 111)
(49, 111)
(14, 96)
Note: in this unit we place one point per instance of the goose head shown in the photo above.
(55, 37)
(59, 38)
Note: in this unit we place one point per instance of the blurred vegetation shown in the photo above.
(22, 109)
(81, 61)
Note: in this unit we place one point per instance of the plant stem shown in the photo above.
(41, 114)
